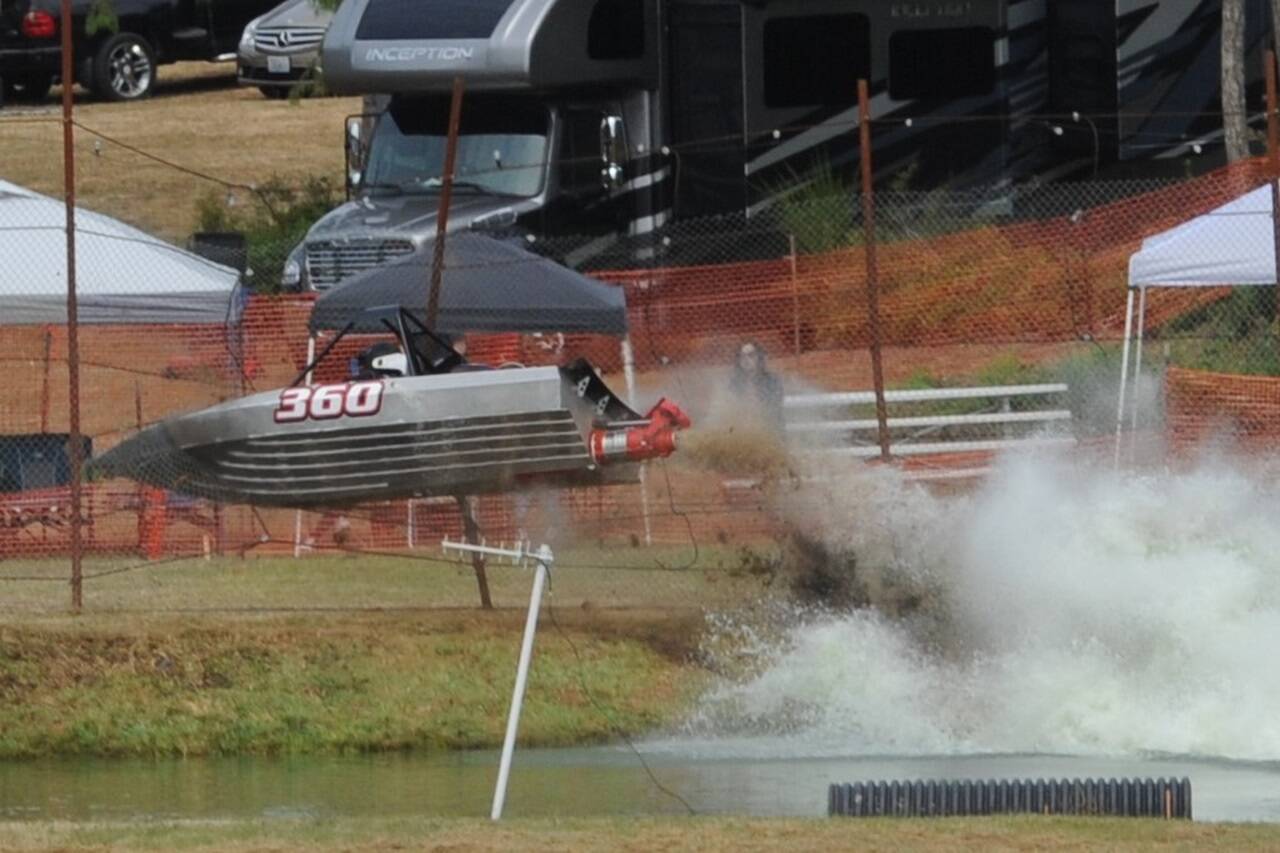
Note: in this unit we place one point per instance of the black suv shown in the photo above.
(117, 43)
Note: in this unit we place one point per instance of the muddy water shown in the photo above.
(723, 777)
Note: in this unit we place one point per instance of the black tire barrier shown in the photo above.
(1158, 798)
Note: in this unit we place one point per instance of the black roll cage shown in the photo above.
(408, 330)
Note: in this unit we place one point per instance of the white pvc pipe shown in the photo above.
(311, 354)
(297, 515)
(1124, 372)
(1137, 359)
(629, 374)
(919, 395)
(629, 369)
(522, 677)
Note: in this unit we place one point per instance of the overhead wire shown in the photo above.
(602, 711)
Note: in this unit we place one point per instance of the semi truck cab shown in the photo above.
(524, 166)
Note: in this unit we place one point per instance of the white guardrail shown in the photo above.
(1018, 429)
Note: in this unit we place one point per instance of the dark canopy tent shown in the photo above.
(487, 285)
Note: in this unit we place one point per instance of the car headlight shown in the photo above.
(291, 275)
(246, 37)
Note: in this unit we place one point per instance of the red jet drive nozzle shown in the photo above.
(634, 444)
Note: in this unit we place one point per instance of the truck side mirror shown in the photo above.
(613, 151)
(355, 152)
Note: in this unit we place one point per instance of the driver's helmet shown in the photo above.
(381, 359)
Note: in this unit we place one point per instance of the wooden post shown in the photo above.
(873, 295)
(795, 296)
(471, 529)
(446, 196)
(1273, 121)
(1273, 170)
(73, 334)
(44, 386)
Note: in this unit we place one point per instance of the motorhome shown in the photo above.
(617, 120)
(1139, 80)
(616, 117)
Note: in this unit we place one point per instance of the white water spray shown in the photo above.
(1091, 612)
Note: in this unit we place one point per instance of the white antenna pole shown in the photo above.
(544, 558)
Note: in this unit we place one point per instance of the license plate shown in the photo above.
(278, 64)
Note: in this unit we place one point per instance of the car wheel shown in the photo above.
(27, 87)
(124, 68)
(274, 93)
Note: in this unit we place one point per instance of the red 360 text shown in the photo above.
(324, 402)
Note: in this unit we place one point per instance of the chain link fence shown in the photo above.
(982, 287)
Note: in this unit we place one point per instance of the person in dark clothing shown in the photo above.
(752, 382)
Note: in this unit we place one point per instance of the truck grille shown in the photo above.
(287, 39)
(329, 263)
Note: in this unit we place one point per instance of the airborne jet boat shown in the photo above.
(423, 422)
(420, 420)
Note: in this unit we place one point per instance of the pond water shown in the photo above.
(719, 777)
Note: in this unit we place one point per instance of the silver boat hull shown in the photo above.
(460, 433)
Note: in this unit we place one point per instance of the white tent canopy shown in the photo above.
(123, 275)
(1231, 245)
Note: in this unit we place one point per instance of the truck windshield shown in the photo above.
(502, 146)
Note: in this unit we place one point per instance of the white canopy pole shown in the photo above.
(1124, 372)
(1137, 358)
(297, 514)
(629, 372)
(311, 354)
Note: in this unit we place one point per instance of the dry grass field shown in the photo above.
(198, 120)
(710, 834)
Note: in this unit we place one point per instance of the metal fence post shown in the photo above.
(873, 295)
(446, 196)
(76, 450)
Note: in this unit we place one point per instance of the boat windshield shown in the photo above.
(502, 147)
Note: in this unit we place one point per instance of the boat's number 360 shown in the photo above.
(321, 402)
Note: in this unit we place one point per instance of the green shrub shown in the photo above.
(274, 220)
(1237, 334)
(817, 209)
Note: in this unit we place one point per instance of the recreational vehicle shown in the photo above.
(615, 117)
(1140, 79)
(616, 120)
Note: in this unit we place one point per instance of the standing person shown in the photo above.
(751, 379)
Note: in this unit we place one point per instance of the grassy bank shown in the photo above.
(339, 682)
(703, 834)
(651, 578)
(346, 653)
